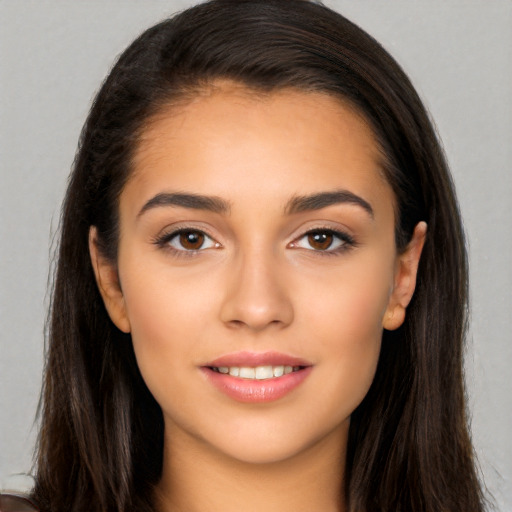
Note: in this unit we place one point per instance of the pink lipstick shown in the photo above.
(257, 377)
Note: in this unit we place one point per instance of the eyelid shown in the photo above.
(163, 239)
(347, 240)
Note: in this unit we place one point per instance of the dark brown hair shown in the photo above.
(101, 438)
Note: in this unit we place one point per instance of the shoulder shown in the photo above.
(16, 503)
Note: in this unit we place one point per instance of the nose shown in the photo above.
(257, 296)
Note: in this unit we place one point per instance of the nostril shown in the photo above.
(255, 300)
(236, 323)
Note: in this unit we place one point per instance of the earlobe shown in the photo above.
(108, 283)
(405, 279)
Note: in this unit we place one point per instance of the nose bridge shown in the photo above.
(256, 296)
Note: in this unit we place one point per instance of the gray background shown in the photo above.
(53, 56)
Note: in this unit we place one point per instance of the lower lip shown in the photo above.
(256, 391)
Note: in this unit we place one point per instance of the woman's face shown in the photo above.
(257, 269)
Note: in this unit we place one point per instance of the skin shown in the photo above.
(257, 284)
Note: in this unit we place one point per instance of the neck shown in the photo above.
(196, 477)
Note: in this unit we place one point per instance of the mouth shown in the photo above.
(257, 377)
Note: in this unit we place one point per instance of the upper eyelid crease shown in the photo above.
(165, 235)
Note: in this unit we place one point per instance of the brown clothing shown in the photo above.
(16, 503)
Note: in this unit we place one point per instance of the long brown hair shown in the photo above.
(101, 440)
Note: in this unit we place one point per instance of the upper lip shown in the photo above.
(252, 359)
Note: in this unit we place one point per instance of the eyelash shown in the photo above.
(164, 240)
(346, 241)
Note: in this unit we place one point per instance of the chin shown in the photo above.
(261, 457)
(250, 453)
(279, 445)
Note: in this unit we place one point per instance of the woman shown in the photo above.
(249, 308)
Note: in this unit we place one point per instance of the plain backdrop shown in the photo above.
(53, 56)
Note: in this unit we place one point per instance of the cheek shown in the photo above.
(345, 315)
(163, 301)
(167, 317)
(352, 299)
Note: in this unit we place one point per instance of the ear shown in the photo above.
(405, 279)
(108, 283)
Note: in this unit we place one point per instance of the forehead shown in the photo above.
(229, 139)
(236, 107)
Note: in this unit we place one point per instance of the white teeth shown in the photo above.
(278, 371)
(264, 372)
(247, 373)
(258, 372)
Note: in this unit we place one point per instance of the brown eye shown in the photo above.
(191, 240)
(326, 241)
(186, 241)
(320, 240)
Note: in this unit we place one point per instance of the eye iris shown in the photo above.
(320, 240)
(191, 240)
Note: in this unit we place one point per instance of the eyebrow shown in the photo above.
(194, 201)
(296, 204)
(323, 199)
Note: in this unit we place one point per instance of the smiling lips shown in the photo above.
(256, 378)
